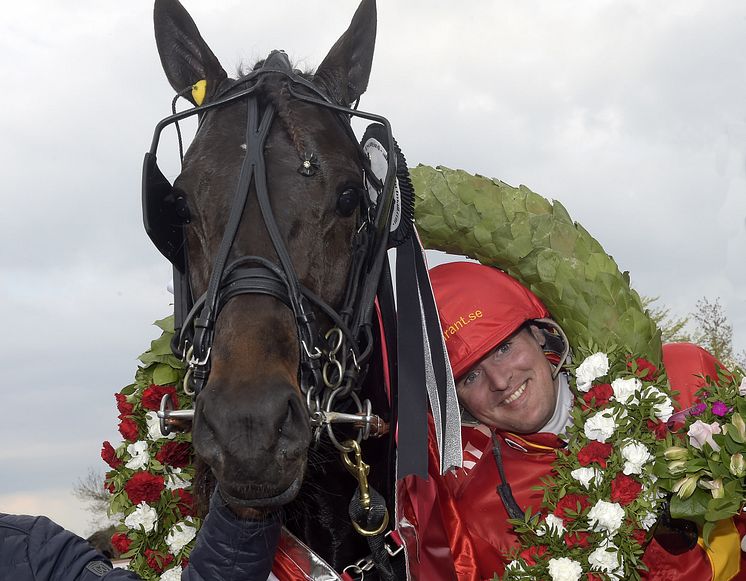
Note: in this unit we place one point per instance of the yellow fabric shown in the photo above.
(198, 91)
(724, 551)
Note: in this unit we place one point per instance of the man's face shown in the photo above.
(511, 388)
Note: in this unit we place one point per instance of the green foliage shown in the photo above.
(537, 242)
(715, 333)
(707, 479)
(159, 368)
(673, 328)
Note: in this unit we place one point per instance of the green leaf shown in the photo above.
(161, 345)
(165, 375)
(694, 506)
(128, 390)
(707, 530)
(166, 324)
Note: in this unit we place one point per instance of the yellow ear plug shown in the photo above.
(198, 91)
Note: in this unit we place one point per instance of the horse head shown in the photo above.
(277, 177)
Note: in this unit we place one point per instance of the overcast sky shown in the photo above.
(631, 113)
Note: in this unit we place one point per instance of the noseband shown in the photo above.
(331, 367)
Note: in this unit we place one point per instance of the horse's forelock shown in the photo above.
(244, 69)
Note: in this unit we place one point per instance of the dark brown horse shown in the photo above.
(274, 213)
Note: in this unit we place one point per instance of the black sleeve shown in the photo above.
(57, 554)
(229, 548)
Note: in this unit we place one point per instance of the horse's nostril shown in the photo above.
(292, 418)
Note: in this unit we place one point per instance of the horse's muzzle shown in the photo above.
(255, 440)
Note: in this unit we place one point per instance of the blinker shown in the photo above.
(164, 212)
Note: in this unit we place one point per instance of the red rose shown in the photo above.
(176, 454)
(570, 502)
(529, 554)
(152, 396)
(184, 502)
(625, 489)
(601, 393)
(658, 428)
(597, 452)
(121, 542)
(144, 487)
(158, 561)
(125, 408)
(109, 455)
(129, 430)
(640, 535)
(579, 539)
(645, 369)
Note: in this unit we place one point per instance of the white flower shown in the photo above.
(648, 520)
(179, 536)
(565, 569)
(701, 433)
(593, 367)
(143, 516)
(173, 574)
(586, 474)
(600, 426)
(663, 410)
(555, 524)
(140, 455)
(606, 558)
(742, 387)
(636, 456)
(174, 480)
(514, 565)
(606, 516)
(154, 427)
(626, 389)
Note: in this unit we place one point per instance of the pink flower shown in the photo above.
(698, 409)
(720, 409)
(701, 433)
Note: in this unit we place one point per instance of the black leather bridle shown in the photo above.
(332, 366)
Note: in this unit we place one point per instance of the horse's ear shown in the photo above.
(185, 56)
(345, 71)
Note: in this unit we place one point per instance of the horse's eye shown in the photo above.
(348, 201)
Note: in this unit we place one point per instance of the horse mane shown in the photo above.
(278, 92)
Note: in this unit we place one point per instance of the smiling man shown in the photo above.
(516, 401)
(512, 386)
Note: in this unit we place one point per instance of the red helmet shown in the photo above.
(479, 307)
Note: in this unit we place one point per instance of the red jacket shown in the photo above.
(461, 525)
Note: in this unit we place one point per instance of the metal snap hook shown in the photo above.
(359, 469)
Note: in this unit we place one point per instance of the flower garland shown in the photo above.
(703, 462)
(599, 505)
(150, 476)
(603, 497)
(622, 460)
